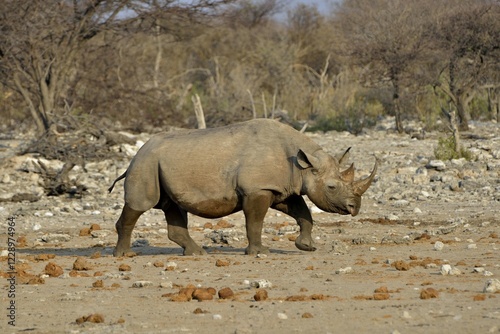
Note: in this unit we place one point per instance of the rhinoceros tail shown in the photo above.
(110, 189)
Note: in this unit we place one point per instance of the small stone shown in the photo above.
(81, 264)
(225, 293)
(260, 295)
(492, 285)
(282, 316)
(53, 270)
(438, 246)
(98, 284)
(217, 317)
(436, 164)
(447, 269)
(401, 265)
(401, 203)
(142, 284)
(55, 237)
(199, 311)
(221, 263)
(170, 266)
(429, 293)
(84, 232)
(202, 294)
(167, 285)
(339, 247)
(262, 283)
(124, 267)
(158, 264)
(94, 318)
(381, 296)
(140, 243)
(345, 270)
(471, 246)
(307, 315)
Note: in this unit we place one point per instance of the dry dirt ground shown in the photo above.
(378, 272)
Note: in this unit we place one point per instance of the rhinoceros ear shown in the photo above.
(344, 157)
(306, 160)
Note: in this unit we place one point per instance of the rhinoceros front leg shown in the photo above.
(177, 230)
(255, 207)
(296, 207)
(124, 227)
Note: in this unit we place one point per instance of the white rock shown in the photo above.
(471, 246)
(217, 317)
(4, 253)
(488, 273)
(55, 237)
(171, 264)
(262, 283)
(478, 270)
(373, 249)
(345, 270)
(438, 245)
(406, 315)
(492, 285)
(447, 269)
(401, 203)
(141, 284)
(282, 316)
(99, 233)
(436, 164)
(417, 210)
(167, 285)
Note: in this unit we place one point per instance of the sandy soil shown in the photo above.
(378, 272)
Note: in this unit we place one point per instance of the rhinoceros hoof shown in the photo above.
(194, 251)
(305, 245)
(117, 252)
(254, 250)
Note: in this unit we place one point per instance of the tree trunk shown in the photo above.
(41, 120)
(396, 104)
(462, 114)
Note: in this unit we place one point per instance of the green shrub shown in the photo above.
(446, 150)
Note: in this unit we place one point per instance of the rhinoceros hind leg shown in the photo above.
(178, 232)
(124, 227)
(255, 207)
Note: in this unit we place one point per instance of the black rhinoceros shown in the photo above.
(250, 166)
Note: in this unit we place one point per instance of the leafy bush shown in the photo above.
(446, 150)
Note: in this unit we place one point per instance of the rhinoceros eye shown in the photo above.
(331, 186)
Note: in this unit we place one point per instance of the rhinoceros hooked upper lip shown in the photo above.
(250, 166)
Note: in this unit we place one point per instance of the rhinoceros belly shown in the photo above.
(209, 207)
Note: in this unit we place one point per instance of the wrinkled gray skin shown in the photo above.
(250, 166)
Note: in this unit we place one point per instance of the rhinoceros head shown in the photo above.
(329, 188)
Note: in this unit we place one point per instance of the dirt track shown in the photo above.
(394, 284)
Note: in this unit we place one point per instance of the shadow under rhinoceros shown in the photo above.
(141, 251)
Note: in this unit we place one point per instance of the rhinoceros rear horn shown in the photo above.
(361, 186)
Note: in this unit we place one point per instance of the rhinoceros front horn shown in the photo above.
(361, 186)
